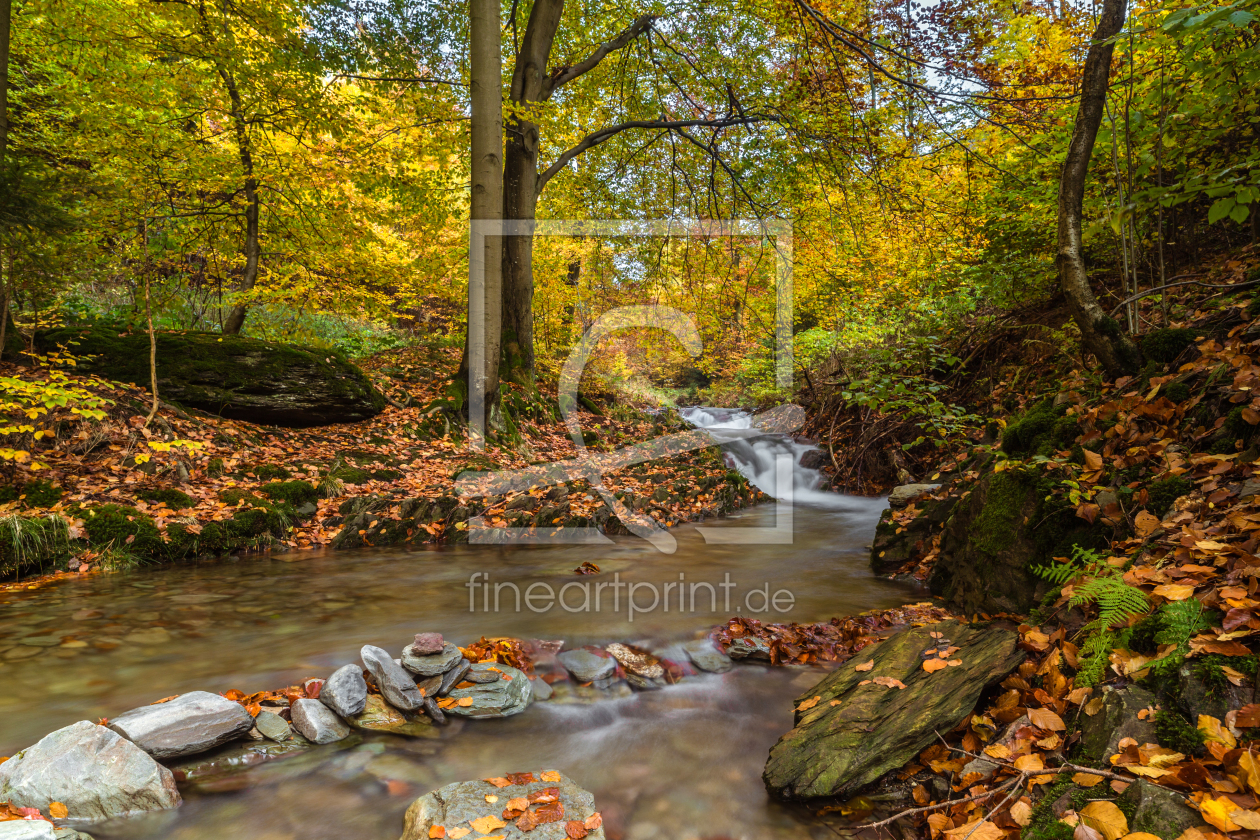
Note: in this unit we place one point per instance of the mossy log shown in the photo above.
(230, 375)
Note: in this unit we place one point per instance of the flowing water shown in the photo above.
(683, 762)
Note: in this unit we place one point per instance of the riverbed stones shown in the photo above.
(379, 716)
(637, 662)
(395, 684)
(1118, 718)
(189, 724)
(431, 664)
(906, 493)
(588, 664)
(95, 773)
(508, 694)
(852, 729)
(27, 830)
(316, 722)
(345, 692)
(273, 727)
(453, 676)
(427, 644)
(706, 656)
(458, 805)
(749, 647)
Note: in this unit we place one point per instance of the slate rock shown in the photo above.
(431, 664)
(189, 724)
(345, 692)
(378, 716)
(749, 647)
(706, 656)
(273, 727)
(95, 773)
(645, 683)
(427, 644)
(636, 661)
(27, 830)
(541, 689)
(316, 722)
(1160, 811)
(906, 493)
(588, 664)
(1118, 718)
(459, 803)
(396, 684)
(498, 698)
(836, 749)
(452, 677)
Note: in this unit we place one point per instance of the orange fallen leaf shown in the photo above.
(498, 781)
(1046, 719)
(934, 665)
(456, 833)
(550, 776)
(808, 704)
(465, 702)
(487, 824)
(594, 821)
(436, 832)
(575, 830)
(865, 666)
(58, 811)
(890, 682)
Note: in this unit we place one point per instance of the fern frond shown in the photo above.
(1117, 601)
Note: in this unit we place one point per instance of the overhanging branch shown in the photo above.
(568, 74)
(595, 138)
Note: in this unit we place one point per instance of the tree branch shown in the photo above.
(405, 79)
(565, 75)
(597, 137)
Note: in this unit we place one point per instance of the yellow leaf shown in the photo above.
(58, 811)
(1139, 835)
(808, 704)
(983, 830)
(456, 833)
(1086, 779)
(1029, 763)
(1175, 591)
(487, 824)
(1213, 731)
(1021, 813)
(931, 665)
(865, 666)
(1250, 767)
(1106, 818)
(1217, 811)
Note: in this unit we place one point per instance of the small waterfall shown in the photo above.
(755, 457)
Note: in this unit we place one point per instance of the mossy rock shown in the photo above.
(997, 535)
(835, 748)
(1165, 345)
(32, 543)
(1161, 494)
(230, 375)
(124, 528)
(296, 493)
(1042, 431)
(270, 472)
(169, 496)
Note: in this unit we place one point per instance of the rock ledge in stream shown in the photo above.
(508, 693)
(457, 805)
(189, 724)
(96, 774)
(872, 729)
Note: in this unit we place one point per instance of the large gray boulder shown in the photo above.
(397, 686)
(95, 773)
(457, 805)
(855, 726)
(233, 376)
(316, 722)
(507, 693)
(189, 724)
(1118, 718)
(345, 692)
(27, 830)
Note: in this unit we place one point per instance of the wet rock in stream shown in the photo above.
(379, 716)
(431, 664)
(508, 693)
(550, 806)
(189, 724)
(395, 684)
(345, 692)
(317, 723)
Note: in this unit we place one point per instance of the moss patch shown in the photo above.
(1175, 732)
(169, 496)
(33, 494)
(1042, 431)
(1165, 345)
(121, 527)
(296, 493)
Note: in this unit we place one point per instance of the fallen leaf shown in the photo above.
(808, 704)
(518, 778)
(551, 812)
(436, 832)
(1085, 832)
(550, 776)
(978, 830)
(1047, 719)
(465, 702)
(487, 824)
(890, 682)
(58, 811)
(1029, 763)
(1145, 523)
(1107, 818)
(1086, 779)
(1174, 591)
(865, 666)
(1217, 811)
(491, 798)
(1249, 820)
(498, 781)
(933, 665)
(575, 830)
(594, 821)
(456, 833)
(1021, 813)
(1214, 731)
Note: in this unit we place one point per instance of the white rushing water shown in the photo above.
(757, 457)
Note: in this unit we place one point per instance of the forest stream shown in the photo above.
(684, 761)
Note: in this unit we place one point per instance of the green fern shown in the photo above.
(1179, 621)
(1117, 601)
(1083, 562)
(1094, 655)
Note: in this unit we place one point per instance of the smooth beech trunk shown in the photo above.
(1100, 333)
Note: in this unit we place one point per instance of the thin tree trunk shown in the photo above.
(148, 313)
(6, 17)
(236, 318)
(520, 191)
(487, 194)
(1100, 333)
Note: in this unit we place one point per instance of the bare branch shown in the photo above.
(404, 79)
(597, 137)
(567, 74)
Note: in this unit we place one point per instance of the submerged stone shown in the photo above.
(458, 804)
(704, 654)
(587, 664)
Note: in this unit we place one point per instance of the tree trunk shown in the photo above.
(6, 16)
(487, 198)
(520, 190)
(236, 318)
(1100, 333)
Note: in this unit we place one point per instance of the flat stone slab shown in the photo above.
(509, 693)
(587, 664)
(855, 726)
(27, 830)
(906, 493)
(431, 664)
(316, 722)
(93, 771)
(706, 656)
(467, 805)
(379, 716)
(189, 724)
